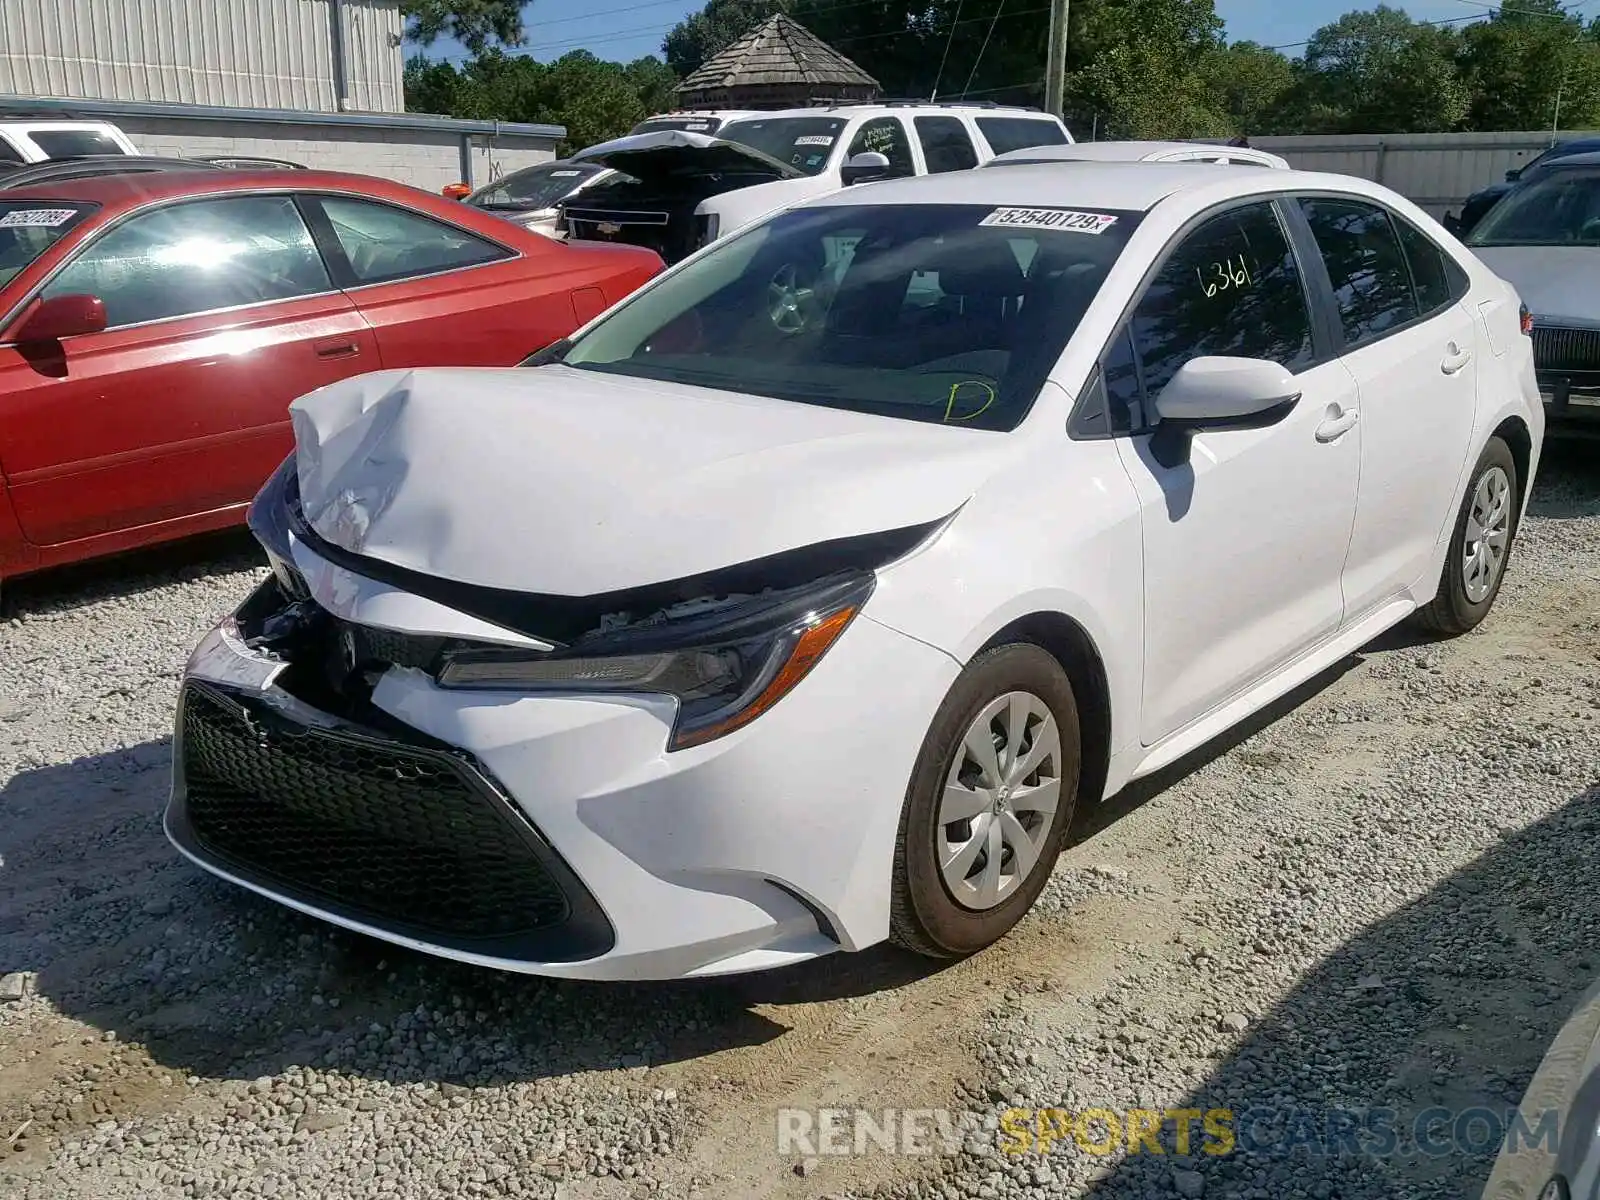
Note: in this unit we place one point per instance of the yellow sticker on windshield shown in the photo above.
(1050, 218)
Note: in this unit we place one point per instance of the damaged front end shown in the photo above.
(726, 645)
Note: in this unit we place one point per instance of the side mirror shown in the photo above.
(859, 168)
(62, 317)
(456, 191)
(1514, 174)
(1219, 393)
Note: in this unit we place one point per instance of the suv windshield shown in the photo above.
(71, 143)
(1561, 208)
(949, 313)
(30, 227)
(805, 143)
(533, 188)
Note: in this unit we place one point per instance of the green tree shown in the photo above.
(1379, 71)
(473, 23)
(1249, 85)
(721, 22)
(1531, 67)
(1136, 69)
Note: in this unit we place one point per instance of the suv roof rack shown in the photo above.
(913, 102)
(90, 166)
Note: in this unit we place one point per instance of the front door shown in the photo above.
(1245, 542)
(221, 312)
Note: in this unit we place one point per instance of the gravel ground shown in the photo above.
(1376, 896)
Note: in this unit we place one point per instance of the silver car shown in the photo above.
(1544, 239)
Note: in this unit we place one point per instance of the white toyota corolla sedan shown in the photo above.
(798, 601)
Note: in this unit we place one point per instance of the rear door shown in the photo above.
(946, 144)
(1410, 345)
(440, 295)
(220, 313)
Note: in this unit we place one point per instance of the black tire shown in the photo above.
(1451, 612)
(924, 915)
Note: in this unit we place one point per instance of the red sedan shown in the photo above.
(154, 328)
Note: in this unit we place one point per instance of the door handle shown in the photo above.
(336, 348)
(1335, 427)
(1455, 359)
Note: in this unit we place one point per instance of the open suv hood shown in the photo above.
(559, 481)
(653, 157)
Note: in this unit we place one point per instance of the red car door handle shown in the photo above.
(336, 348)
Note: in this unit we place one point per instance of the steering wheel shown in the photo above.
(791, 303)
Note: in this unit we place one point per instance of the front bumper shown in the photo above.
(554, 834)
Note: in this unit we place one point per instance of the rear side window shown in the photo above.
(1438, 279)
(1232, 287)
(945, 144)
(69, 143)
(1018, 133)
(197, 257)
(384, 243)
(1366, 265)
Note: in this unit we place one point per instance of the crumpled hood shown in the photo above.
(1557, 283)
(564, 482)
(653, 156)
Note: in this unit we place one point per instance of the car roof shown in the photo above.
(1123, 186)
(118, 191)
(1584, 158)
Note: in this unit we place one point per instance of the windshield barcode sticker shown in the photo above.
(37, 218)
(1050, 218)
(814, 139)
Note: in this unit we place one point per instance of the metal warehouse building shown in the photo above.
(315, 81)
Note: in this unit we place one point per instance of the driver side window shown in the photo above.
(1231, 287)
(885, 136)
(197, 257)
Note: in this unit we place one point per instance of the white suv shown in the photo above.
(41, 141)
(683, 189)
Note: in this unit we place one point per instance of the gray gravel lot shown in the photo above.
(1378, 896)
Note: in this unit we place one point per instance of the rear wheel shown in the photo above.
(990, 800)
(1480, 545)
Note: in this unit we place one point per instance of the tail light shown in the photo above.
(456, 191)
(1527, 322)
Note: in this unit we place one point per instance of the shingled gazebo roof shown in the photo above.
(779, 64)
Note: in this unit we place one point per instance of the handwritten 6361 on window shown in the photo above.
(1233, 273)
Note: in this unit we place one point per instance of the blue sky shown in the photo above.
(628, 29)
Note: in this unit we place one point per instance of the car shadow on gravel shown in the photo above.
(1444, 1011)
(130, 939)
(127, 576)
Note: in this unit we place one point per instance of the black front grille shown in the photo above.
(398, 835)
(1561, 350)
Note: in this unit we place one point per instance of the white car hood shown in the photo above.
(1557, 283)
(557, 481)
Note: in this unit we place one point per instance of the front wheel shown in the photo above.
(1480, 545)
(990, 800)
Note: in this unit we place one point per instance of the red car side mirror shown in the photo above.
(63, 317)
(455, 191)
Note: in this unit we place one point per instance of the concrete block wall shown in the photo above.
(424, 158)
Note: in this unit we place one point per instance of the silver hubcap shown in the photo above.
(1483, 552)
(999, 800)
(788, 301)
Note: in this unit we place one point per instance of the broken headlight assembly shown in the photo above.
(725, 663)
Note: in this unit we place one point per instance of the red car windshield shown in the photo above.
(30, 227)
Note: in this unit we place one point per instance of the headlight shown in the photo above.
(725, 668)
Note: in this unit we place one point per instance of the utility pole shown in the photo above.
(1055, 77)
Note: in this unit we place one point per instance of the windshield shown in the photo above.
(1559, 209)
(707, 125)
(70, 143)
(533, 188)
(943, 313)
(805, 143)
(30, 227)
